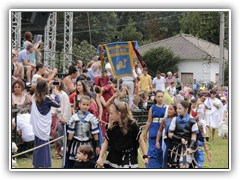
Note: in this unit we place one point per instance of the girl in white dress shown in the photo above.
(201, 112)
(214, 113)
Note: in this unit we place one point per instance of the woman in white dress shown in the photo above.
(214, 113)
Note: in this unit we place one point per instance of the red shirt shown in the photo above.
(93, 106)
(193, 113)
(98, 81)
(108, 92)
(72, 96)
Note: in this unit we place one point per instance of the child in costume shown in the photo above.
(163, 130)
(41, 122)
(83, 129)
(84, 155)
(155, 116)
(201, 144)
(123, 138)
(183, 132)
(214, 113)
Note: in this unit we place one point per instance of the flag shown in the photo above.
(120, 56)
(135, 46)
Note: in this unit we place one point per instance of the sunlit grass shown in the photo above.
(219, 153)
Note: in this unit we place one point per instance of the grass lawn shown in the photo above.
(219, 153)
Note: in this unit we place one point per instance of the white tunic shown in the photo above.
(200, 110)
(213, 115)
(41, 123)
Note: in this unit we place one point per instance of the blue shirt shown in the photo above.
(32, 56)
(23, 54)
(46, 105)
(93, 74)
(196, 86)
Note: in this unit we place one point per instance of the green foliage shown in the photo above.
(130, 33)
(226, 30)
(144, 42)
(219, 152)
(161, 59)
(154, 26)
(205, 25)
(139, 19)
(161, 25)
(226, 71)
(84, 51)
(102, 27)
(145, 27)
(81, 51)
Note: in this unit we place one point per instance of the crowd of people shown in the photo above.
(99, 116)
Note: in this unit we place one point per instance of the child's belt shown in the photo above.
(157, 120)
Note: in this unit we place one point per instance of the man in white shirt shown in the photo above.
(25, 131)
(128, 82)
(159, 82)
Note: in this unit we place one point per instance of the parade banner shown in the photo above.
(120, 56)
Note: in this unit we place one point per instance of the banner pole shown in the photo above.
(64, 145)
(102, 57)
(118, 90)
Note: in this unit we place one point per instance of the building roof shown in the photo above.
(187, 47)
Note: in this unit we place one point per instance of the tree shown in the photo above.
(161, 59)
(130, 33)
(84, 51)
(102, 27)
(81, 51)
(162, 25)
(226, 71)
(205, 25)
(154, 25)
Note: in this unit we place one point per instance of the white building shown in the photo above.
(199, 59)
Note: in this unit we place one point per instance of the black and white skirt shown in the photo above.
(121, 159)
(74, 147)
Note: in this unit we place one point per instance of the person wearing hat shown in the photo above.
(169, 79)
